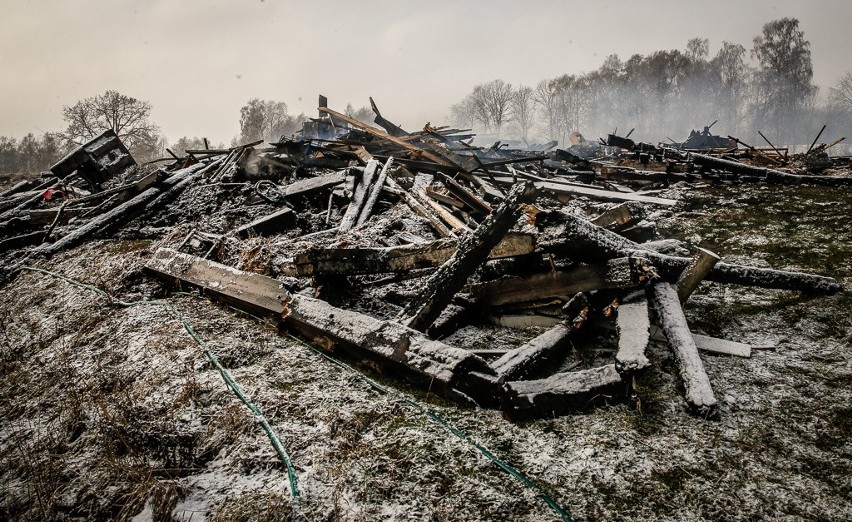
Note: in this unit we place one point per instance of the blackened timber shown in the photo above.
(310, 185)
(620, 215)
(603, 195)
(374, 192)
(393, 187)
(617, 273)
(368, 260)
(383, 135)
(562, 392)
(701, 265)
(698, 391)
(471, 200)
(117, 217)
(523, 361)
(359, 197)
(328, 327)
(578, 238)
(273, 223)
(178, 182)
(472, 251)
(770, 175)
(392, 128)
(457, 224)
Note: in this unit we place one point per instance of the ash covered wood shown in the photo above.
(362, 239)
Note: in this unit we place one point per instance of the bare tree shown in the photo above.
(125, 115)
(841, 94)
(265, 120)
(363, 114)
(546, 94)
(497, 99)
(523, 111)
(784, 77)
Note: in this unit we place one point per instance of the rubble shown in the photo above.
(384, 242)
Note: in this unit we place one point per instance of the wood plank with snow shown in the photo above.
(577, 238)
(329, 327)
(562, 392)
(520, 363)
(698, 390)
(633, 325)
(617, 273)
(473, 249)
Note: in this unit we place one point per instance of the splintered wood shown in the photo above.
(405, 249)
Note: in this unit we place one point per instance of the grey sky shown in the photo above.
(198, 62)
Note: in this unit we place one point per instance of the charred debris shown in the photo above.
(383, 244)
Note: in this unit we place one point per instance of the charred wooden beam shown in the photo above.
(770, 175)
(359, 197)
(563, 392)
(578, 238)
(385, 136)
(624, 214)
(471, 200)
(273, 223)
(472, 250)
(603, 195)
(523, 361)
(374, 192)
(311, 185)
(452, 221)
(391, 343)
(392, 128)
(698, 391)
(701, 265)
(393, 187)
(618, 273)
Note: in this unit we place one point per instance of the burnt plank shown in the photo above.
(562, 392)
(473, 249)
(394, 344)
(617, 273)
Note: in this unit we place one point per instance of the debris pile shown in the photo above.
(401, 248)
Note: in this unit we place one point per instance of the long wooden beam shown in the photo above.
(391, 343)
(377, 260)
(385, 136)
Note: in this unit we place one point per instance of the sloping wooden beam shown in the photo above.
(388, 342)
(473, 249)
(385, 136)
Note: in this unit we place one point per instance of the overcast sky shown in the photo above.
(198, 62)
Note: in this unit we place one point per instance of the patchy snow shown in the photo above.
(114, 412)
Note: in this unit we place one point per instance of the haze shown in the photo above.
(197, 63)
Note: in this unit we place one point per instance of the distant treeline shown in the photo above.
(31, 154)
(668, 93)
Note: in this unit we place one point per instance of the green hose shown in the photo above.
(562, 512)
(276, 443)
(229, 380)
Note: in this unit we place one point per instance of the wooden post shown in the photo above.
(634, 332)
(429, 362)
(562, 392)
(701, 265)
(362, 189)
(699, 392)
(375, 190)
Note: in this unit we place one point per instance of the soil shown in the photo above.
(114, 412)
